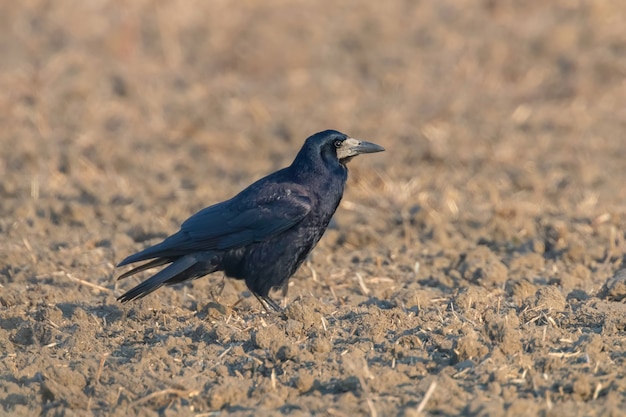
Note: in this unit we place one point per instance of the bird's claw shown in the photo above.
(269, 304)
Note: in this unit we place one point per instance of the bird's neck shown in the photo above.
(320, 170)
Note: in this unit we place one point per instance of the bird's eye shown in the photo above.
(337, 143)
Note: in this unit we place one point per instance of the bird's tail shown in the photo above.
(180, 270)
(148, 265)
(170, 248)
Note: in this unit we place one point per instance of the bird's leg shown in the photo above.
(284, 291)
(268, 303)
(216, 292)
(221, 286)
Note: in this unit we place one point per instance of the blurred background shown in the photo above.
(110, 110)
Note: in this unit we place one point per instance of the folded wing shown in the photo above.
(233, 223)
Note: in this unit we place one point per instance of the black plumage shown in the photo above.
(264, 233)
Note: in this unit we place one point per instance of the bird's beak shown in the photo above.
(352, 147)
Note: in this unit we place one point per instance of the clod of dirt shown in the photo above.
(272, 399)
(593, 346)
(64, 384)
(294, 327)
(469, 347)
(321, 345)
(221, 333)
(504, 332)
(232, 391)
(6, 344)
(577, 253)
(582, 387)
(578, 276)
(550, 298)
(521, 291)
(614, 289)
(287, 352)
(472, 297)
(23, 336)
(527, 265)
(305, 311)
(482, 266)
(270, 338)
(304, 381)
(384, 379)
(523, 407)
(354, 363)
(414, 297)
(578, 295)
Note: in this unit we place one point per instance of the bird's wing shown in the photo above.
(242, 221)
(252, 216)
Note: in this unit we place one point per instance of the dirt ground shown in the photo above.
(473, 268)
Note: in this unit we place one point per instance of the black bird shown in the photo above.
(264, 233)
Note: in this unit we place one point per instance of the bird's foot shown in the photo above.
(268, 303)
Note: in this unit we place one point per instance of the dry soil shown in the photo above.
(473, 268)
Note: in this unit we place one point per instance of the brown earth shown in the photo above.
(474, 268)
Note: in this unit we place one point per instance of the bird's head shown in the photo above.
(333, 145)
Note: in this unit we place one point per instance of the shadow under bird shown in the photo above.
(264, 233)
